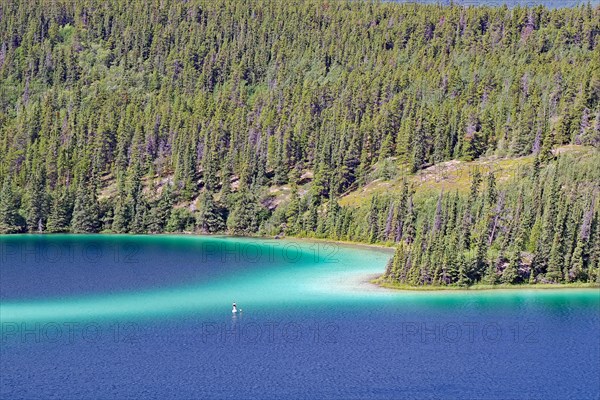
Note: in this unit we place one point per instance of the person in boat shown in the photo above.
(234, 310)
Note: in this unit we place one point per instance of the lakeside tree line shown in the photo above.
(544, 226)
(166, 116)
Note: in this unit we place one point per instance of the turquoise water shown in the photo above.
(150, 316)
(89, 276)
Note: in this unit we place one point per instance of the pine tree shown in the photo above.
(576, 272)
(244, 217)
(556, 259)
(85, 212)
(463, 278)
(373, 223)
(409, 222)
(135, 200)
(37, 204)
(61, 212)
(122, 208)
(544, 246)
(209, 218)
(10, 219)
(510, 274)
(160, 213)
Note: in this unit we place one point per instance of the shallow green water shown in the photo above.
(266, 272)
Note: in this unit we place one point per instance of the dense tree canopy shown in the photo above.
(542, 227)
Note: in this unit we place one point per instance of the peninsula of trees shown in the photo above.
(268, 117)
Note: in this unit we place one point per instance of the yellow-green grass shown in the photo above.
(454, 175)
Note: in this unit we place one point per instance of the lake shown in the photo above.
(116, 316)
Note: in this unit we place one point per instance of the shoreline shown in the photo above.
(385, 248)
(380, 283)
(374, 280)
(380, 247)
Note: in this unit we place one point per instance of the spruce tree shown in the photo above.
(209, 218)
(10, 219)
(85, 212)
(161, 211)
(37, 204)
(510, 274)
(61, 211)
(244, 217)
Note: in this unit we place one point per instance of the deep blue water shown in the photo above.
(90, 325)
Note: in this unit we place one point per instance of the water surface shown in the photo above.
(149, 316)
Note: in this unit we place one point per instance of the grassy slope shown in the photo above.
(449, 176)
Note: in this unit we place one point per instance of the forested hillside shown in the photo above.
(260, 116)
(542, 225)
